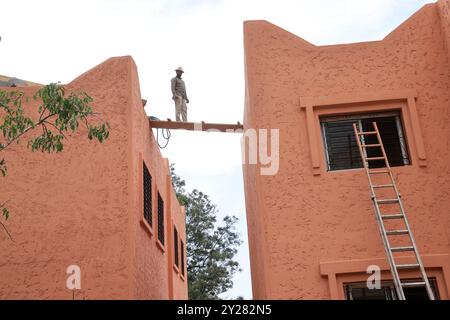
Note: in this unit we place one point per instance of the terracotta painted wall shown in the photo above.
(258, 238)
(154, 264)
(84, 206)
(309, 229)
(444, 12)
(179, 280)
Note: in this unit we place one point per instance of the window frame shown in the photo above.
(176, 248)
(348, 295)
(348, 287)
(160, 235)
(182, 259)
(358, 117)
(359, 102)
(147, 198)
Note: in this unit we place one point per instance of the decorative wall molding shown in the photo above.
(341, 272)
(404, 100)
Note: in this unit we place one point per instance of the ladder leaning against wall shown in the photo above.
(382, 217)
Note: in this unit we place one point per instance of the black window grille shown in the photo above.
(360, 291)
(182, 256)
(342, 149)
(175, 246)
(148, 216)
(160, 219)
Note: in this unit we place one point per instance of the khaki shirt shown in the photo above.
(178, 87)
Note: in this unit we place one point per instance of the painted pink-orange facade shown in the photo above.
(312, 230)
(85, 206)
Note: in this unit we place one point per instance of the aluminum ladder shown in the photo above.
(381, 218)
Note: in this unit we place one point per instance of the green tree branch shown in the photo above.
(63, 113)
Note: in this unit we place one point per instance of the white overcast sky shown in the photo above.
(47, 41)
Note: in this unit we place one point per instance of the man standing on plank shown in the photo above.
(179, 95)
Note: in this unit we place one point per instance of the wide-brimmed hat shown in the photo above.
(179, 69)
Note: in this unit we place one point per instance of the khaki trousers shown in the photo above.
(180, 108)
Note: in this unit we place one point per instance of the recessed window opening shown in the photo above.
(341, 147)
(175, 246)
(160, 219)
(182, 256)
(147, 195)
(360, 291)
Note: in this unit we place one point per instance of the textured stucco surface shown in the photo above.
(180, 282)
(83, 206)
(444, 12)
(152, 266)
(297, 220)
(150, 263)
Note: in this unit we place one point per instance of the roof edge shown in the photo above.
(252, 23)
(389, 36)
(81, 76)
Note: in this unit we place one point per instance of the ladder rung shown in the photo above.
(370, 145)
(401, 249)
(396, 232)
(367, 133)
(413, 284)
(383, 186)
(374, 158)
(392, 216)
(378, 171)
(407, 266)
(387, 201)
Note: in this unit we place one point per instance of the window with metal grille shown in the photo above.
(175, 246)
(148, 216)
(182, 256)
(341, 148)
(359, 291)
(160, 219)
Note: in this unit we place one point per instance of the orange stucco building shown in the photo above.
(312, 229)
(108, 208)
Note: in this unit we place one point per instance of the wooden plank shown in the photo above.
(197, 126)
